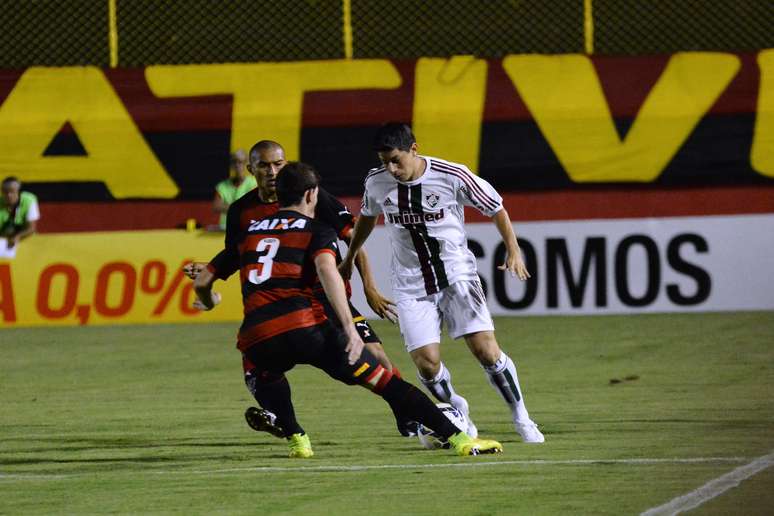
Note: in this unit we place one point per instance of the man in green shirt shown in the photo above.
(229, 190)
(19, 214)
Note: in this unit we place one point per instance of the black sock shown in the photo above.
(274, 396)
(409, 401)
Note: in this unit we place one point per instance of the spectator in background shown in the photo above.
(19, 214)
(229, 190)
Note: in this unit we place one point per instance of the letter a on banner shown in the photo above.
(564, 95)
(45, 99)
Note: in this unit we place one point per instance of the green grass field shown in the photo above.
(148, 419)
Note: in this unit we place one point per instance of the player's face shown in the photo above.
(401, 164)
(11, 193)
(265, 165)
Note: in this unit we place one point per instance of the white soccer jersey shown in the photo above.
(425, 219)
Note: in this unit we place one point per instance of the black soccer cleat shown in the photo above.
(408, 428)
(262, 420)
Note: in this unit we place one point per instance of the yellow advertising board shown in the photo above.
(108, 278)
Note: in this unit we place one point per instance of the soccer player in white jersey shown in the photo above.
(434, 276)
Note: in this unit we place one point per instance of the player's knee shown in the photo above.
(427, 360)
(484, 347)
(488, 353)
(428, 368)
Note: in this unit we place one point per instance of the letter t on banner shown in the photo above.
(448, 107)
(268, 97)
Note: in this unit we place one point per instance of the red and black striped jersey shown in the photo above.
(277, 272)
(250, 208)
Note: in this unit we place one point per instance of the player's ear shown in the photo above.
(413, 149)
(311, 194)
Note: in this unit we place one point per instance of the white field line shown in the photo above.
(467, 463)
(712, 488)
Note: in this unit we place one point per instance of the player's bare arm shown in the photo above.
(206, 298)
(382, 306)
(363, 228)
(331, 281)
(514, 263)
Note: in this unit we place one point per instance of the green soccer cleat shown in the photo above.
(300, 446)
(465, 445)
(262, 420)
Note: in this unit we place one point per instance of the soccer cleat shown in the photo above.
(262, 420)
(529, 432)
(408, 428)
(472, 430)
(465, 445)
(300, 446)
(461, 404)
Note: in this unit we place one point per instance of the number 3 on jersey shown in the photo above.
(267, 249)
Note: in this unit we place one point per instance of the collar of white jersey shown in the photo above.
(420, 178)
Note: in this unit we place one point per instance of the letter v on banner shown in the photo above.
(565, 97)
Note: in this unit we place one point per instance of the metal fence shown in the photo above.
(146, 32)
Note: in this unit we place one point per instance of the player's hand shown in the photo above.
(215, 299)
(354, 347)
(515, 265)
(192, 269)
(12, 241)
(345, 269)
(383, 307)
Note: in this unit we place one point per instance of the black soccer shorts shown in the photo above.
(322, 346)
(364, 329)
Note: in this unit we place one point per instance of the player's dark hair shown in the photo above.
(393, 135)
(293, 181)
(10, 179)
(264, 145)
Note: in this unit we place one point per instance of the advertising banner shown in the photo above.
(526, 122)
(109, 278)
(674, 264)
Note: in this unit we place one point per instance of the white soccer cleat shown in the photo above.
(529, 432)
(471, 430)
(461, 404)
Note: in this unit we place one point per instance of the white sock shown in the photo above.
(502, 375)
(441, 387)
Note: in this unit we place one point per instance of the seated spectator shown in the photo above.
(19, 214)
(240, 182)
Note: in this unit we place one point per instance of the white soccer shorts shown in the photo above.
(461, 306)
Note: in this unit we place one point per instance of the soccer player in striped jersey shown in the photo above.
(266, 159)
(282, 258)
(434, 275)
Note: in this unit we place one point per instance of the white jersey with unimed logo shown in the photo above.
(425, 219)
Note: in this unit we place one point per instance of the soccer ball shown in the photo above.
(430, 439)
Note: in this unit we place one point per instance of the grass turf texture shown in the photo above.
(148, 419)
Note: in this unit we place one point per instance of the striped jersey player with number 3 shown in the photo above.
(434, 275)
